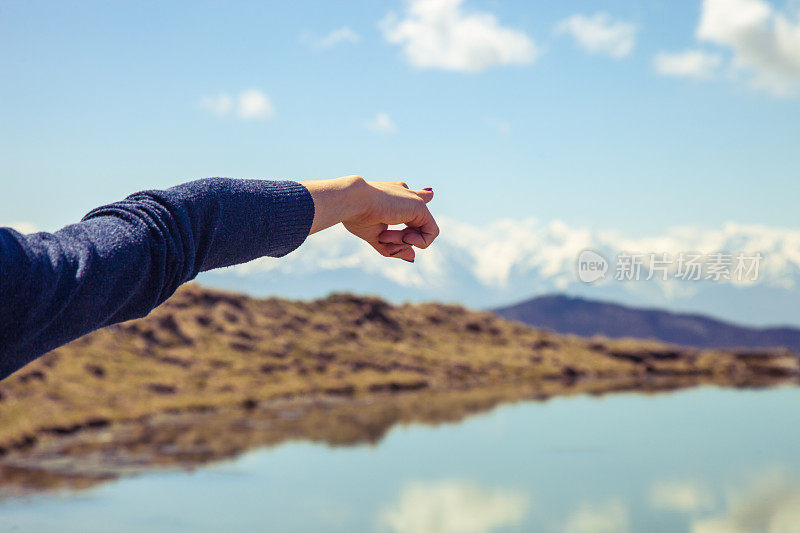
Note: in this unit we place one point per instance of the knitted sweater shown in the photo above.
(124, 259)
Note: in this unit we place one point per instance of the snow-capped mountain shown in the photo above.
(509, 261)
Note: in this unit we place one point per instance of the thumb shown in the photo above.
(425, 194)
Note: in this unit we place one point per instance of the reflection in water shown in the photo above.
(682, 462)
(681, 496)
(453, 507)
(770, 503)
(605, 517)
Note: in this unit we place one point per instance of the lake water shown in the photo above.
(703, 460)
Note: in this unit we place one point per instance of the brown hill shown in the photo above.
(210, 374)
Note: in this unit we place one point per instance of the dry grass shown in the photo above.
(206, 349)
(207, 352)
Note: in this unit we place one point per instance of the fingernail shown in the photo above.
(397, 252)
(409, 260)
(428, 189)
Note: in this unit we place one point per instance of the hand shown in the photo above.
(368, 208)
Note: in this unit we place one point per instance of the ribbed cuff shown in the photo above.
(292, 215)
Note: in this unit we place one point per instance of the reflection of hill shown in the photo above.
(210, 374)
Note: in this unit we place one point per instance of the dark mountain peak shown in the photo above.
(580, 316)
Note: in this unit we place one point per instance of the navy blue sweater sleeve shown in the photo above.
(123, 259)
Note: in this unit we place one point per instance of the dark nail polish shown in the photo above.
(381, 242)
(428, 189)
(410, 260)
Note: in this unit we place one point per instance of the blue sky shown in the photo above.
(538, 114)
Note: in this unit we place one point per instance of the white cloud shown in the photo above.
(608, 517)
(689, 64)
(764, 43)
(453, 507)
(519, 254)
(254, 105)
(342, 35)
(250, 104)
(382, 123)
(439, 34)
(600, 34)
(681, 496)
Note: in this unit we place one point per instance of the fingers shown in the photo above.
(425, 226)
(421, 228)
(426, 194)
(391, 236)
(399, 251)
(408, 237)
(391, 250)
(413, 237)
(406, 254)
(420, 232)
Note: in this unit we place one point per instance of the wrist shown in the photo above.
(336, 200)
(352, 196)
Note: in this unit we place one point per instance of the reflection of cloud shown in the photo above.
(770, 504)
(683, 496)
(607, 517)
(453, 506)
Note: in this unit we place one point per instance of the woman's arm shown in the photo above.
(124, 259)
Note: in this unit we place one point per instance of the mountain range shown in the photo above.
(579, 316)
